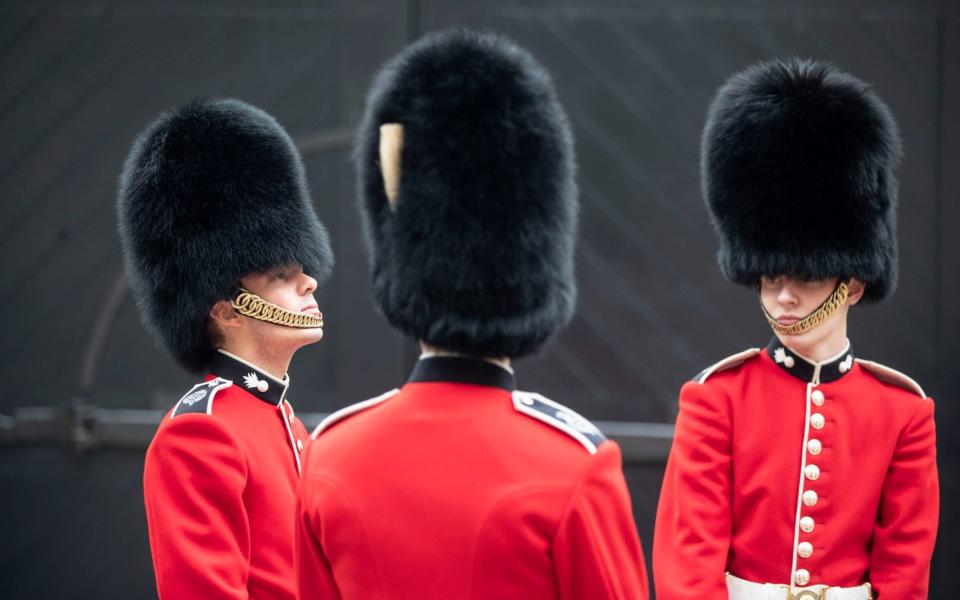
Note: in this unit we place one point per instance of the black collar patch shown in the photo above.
(249, 378)
(808, 370)
(462, 369)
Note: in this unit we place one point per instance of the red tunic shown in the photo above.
(456, 487)
(219, 485)
(782, 471)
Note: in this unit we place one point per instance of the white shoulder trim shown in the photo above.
(559, 416)
(345, 412)
(727, 363)
(891, 376)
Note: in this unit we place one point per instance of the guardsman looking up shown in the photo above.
(224, 251)
(458, 485)
(798, 470)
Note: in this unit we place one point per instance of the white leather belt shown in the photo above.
(741, 589)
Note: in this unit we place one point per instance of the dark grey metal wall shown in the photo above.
(80, 79)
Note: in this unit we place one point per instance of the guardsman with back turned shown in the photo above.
(457, 484)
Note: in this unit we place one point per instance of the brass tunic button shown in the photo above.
(805, 549)
(814, 447)
(817, 397)
(810, 498)
(806, 524)
(802, 577)
(811, 472)
(817, 421)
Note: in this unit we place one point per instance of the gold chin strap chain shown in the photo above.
(255, 307)
(821, 314)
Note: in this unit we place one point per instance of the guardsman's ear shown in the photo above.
(855, 288)
(391, 147)
(224, 315)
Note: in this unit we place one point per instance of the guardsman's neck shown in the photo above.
(820, 350)
(427, 350)
(275, 366)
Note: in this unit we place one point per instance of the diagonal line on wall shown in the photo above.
(48, 70)
(628, 166)
(920, 145)
(51, 127)
(635, 298)
(927, 87)
(295, 73)
(609, 82)
(37, 205)
(656, 66)
(20, 33)
(909, 138)
(627, 354)
(688, 293)
(79, 287)
(576, 367)
(709, 56)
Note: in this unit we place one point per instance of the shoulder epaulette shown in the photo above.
(728, 363)
(200, 397)
(559, 416)
(353, 409)
(891, 376)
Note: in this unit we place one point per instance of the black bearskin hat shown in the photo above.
(211, 192)
(797, 167)
(477, 254)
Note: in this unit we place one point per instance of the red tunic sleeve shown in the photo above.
(193, 484)
(906, 527)
(314, 575)
(691, 539)
(596, 551)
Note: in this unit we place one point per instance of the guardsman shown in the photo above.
(799, 471)
(223, 252)
(458, 485)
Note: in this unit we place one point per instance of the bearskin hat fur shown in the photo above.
(211, 192)
(477, 254)
(798, 162)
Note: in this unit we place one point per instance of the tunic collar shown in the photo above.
(809, 370)
(250, 377)
(463, 369)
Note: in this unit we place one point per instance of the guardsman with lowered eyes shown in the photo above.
(800, 471)
(223, 252)
(457, 484)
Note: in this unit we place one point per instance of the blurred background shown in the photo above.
(82, 386)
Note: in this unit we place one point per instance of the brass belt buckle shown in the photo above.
(807, 594)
